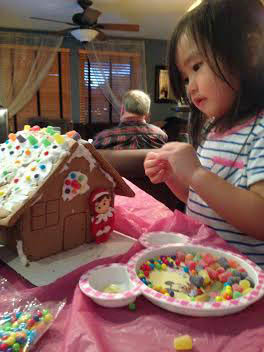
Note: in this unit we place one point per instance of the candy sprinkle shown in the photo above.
(182, 343)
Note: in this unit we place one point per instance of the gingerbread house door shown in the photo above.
(74, 232)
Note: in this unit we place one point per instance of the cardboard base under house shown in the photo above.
(47, 270)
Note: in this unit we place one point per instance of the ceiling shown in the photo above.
(156, 18)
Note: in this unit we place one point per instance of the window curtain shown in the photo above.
(25, 59)
(116, 52)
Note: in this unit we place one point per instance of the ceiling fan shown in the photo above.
(87, 26)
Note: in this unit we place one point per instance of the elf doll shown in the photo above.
(102, 221)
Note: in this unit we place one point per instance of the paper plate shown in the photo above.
(160, 238)
(194, 308)
(94, 281)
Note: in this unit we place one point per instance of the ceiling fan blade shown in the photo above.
(120, 27)
(90, 16)
(46, 19)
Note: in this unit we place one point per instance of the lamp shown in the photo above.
(84, 34)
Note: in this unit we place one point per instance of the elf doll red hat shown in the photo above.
(97, 194)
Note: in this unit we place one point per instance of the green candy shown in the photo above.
(50, 130)
(16, 347)
(236, 294)
(45, 142)
(32, 140)
(132, 306)
(45, 311)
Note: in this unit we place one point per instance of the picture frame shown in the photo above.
(163, 92)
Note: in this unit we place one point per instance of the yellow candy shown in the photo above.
(202, 298)
(229, 291)
(59, 139)
(218, 298)
(10, 340)
(163, 266)
(182, 343)
(26, 127)
(205, 276)
(244, 284)
(48, 317)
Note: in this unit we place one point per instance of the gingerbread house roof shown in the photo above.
(29, 161)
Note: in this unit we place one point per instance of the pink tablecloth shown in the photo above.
(85, 327)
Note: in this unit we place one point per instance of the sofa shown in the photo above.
(129, 164)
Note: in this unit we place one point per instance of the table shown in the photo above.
(47, 270)
(85, 327)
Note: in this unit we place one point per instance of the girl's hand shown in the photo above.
(156, 169)
(182, 159)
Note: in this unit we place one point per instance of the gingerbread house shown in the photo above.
(45, 183)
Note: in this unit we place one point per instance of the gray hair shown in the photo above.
(136, 102)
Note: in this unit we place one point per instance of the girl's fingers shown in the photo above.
(151, 156)
(152, 171)
(156, 162)
(158, 178)
(150, 163)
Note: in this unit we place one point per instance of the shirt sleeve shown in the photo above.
(255, 167)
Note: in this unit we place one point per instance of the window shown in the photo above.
(53, 99)
(119, 70)
(44, 214)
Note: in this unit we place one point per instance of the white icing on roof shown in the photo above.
(27, 158)
(110, 178)
(82, 152)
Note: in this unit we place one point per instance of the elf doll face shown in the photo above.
(102, 205)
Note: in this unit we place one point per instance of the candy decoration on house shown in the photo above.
(76, 183)
(103, 218)
(46, 180)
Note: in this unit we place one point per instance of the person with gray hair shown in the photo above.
(133, 131)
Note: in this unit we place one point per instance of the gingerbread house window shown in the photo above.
(44, 214)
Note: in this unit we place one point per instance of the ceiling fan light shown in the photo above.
(195, 4)
(84, 34)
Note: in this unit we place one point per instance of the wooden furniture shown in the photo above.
(129, 163)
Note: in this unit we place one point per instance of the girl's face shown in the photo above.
(103, 205)
(210, 94)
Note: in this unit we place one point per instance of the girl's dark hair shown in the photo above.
(229, 34)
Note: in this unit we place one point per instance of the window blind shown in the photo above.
(119, 70)
(53, 99)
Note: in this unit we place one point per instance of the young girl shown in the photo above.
(216, 63)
